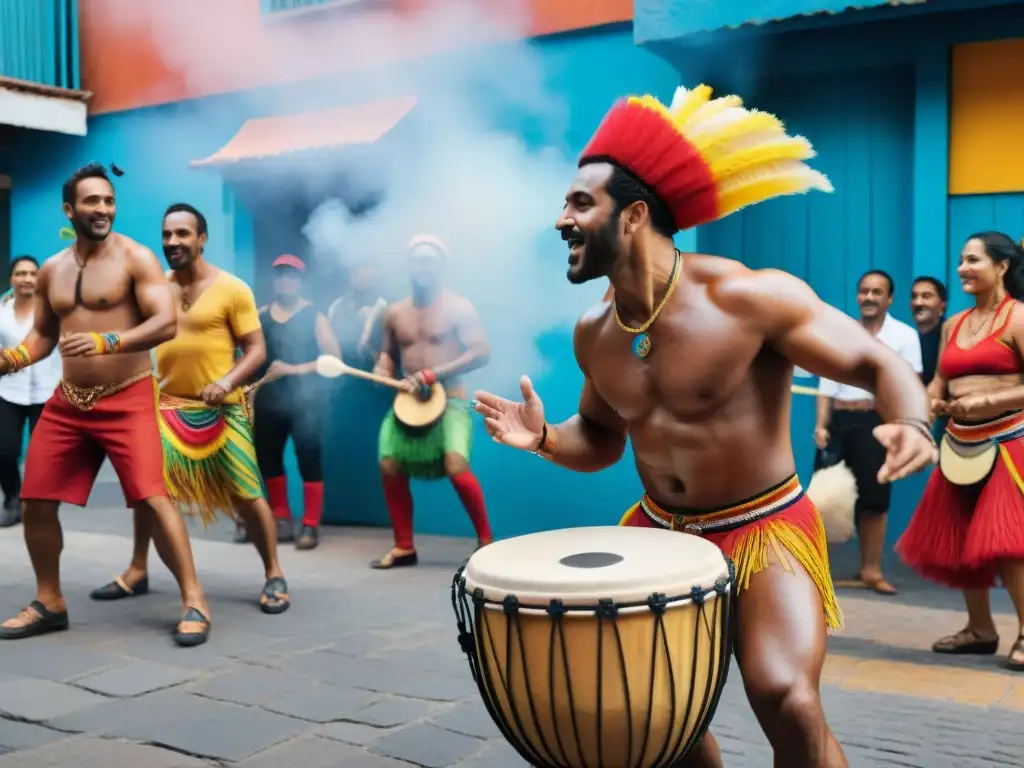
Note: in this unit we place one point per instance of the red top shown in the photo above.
(989, 357)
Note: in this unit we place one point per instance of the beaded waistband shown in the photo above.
(85, 398)
(698, 522)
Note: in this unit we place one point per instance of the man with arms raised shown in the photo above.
(209, 457)
(432, 336)
(107, 303)
(692, 360)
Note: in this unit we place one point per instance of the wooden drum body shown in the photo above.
(598, 647)
(417, 414)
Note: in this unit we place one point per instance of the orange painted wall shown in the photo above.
(986, 154)
(137, 53)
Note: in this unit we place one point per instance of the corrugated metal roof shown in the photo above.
(322, 129)
(827, 12)
(53, 91)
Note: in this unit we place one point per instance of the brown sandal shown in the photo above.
(1016, 665)
(967, 642)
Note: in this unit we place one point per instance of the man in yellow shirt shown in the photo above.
(209, 459)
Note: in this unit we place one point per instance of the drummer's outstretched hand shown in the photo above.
(908, 449)
(519, 425)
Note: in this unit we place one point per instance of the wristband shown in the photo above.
(921, 426)
(106, 343)
(224, 383)
(548, 443)
(16, 358)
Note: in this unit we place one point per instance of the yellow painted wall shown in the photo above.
(986, 132)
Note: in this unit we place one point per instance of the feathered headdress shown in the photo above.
(704, 158)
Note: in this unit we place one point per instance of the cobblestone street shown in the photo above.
(364, 670)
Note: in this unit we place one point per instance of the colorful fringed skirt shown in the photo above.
(781, 521)
(209, 456)
(959, 533)
(421, 455)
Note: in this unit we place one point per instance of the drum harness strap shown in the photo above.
(470, 619)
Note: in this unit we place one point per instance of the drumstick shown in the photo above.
(330, 367)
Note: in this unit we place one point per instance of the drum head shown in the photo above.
(580, 566)
(413, 412)
(966, 464)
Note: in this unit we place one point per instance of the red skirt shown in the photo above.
(958, 534)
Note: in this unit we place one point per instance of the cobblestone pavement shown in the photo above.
(364, 671)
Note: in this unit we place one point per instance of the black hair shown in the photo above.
(880, 273)
(935, 283)
(17, 260)
(201, 228)
(69, 192)
(1002, 247)
(626, 188)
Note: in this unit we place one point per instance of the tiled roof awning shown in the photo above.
(24, 104)
(323, 129)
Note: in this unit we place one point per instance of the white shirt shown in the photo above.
(901, 339)
(32, 385)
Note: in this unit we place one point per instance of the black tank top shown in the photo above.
(293, 342)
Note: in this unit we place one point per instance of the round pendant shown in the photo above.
(642, 345)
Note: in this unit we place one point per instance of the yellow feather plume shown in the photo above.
(749, 153)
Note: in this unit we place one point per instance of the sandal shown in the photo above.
(1016, 665)
(38, 620)
(119, 589)
(393, 560)
(274, 599)
(967, 642)
(879, 586)
(192, 639)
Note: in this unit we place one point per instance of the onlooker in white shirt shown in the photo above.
(846, 422)
(22, 394)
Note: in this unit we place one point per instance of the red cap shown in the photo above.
(287, 260)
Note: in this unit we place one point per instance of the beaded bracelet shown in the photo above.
(16, 358)
(920, 425)
(106, 343)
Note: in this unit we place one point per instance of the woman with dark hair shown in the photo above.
(22, 394)
(969, 526)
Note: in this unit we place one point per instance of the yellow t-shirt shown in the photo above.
(204, 348)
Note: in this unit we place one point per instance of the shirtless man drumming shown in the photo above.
(692, 360)
(432, 336)
(105, 300)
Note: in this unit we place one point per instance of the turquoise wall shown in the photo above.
(585, 71)
(977, 213)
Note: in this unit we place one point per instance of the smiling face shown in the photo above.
(874, 296)
(92, 214)
(926, 304)
(979, 272)
(590, 225)
(181, 239)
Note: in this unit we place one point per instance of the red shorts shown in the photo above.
(67, 447)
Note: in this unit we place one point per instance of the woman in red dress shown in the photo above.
(964, 536)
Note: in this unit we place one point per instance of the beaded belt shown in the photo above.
(85, 398)
(769, 503)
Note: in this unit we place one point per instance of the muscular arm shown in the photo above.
(254, 355)
(386, 360)
(42, 338)
(476, 350)
(821, 339)
(156, 303)
(593, 439)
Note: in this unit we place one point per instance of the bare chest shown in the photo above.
(692, 369)
(423, 328)
(96, 286)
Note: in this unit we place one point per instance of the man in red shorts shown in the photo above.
(106, 303)
(691, 360)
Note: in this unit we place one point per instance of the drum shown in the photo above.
(964, 463)
(598, 647)
(420, 412)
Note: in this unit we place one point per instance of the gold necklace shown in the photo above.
(642, 342)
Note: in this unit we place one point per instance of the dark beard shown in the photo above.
(84, 231)
(600, 251)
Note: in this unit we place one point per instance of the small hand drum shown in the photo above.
(598, 647)
(966, 463)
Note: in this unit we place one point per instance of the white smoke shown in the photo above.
(491, 197)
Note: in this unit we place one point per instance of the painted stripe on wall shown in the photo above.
(986, 153)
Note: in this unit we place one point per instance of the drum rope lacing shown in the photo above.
(470, 621)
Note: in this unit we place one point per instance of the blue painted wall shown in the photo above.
(977, 213)
(586, 72)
